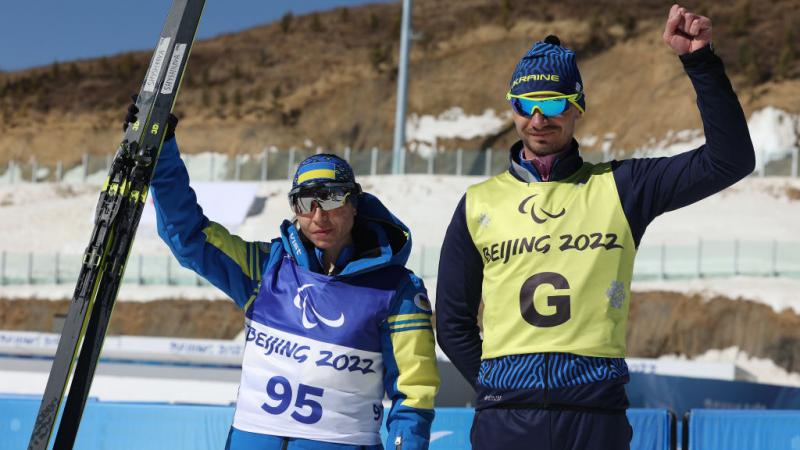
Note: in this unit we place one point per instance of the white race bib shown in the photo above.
(294, 386)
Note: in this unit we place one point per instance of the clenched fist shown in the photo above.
(686, 32)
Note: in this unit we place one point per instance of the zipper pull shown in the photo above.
(398, 443)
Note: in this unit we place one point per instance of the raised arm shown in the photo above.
(228, 262)
(651, 186)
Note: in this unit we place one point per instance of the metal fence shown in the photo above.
(707, 259)
(703, 259)
(270, 164)
(275, 164)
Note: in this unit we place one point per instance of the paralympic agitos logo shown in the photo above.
(545, 214)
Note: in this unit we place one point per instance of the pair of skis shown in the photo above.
(117, 216)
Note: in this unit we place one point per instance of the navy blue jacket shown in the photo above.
(647, 188)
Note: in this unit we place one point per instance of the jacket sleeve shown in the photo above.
(651, 186)
(410, 375)
(458, 297)
(225, 260)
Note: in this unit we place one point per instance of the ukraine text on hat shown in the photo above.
(536, 77)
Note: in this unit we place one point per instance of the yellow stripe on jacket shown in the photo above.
(414, 351)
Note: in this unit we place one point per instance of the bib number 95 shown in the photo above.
(306, 409)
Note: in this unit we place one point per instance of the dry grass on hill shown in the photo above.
(330, 77)
(660, 323)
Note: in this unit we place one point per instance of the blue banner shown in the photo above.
(125, 426)
(680, 394)
(744, 430)
(134, 426)
(652, 428)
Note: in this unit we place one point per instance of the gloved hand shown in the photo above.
(130, 117)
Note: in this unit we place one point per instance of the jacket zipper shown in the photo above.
(285, 444)
(398, 443)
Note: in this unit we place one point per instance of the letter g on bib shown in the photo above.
(560, 302)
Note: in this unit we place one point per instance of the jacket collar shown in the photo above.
(563, 167)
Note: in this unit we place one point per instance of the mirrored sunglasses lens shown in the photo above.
(331, 203)
(549, 108)
(554, 107)
(333, 200)
(325, 199)
(514, 105)
(302, 205)
(522, 107)
(526, 106)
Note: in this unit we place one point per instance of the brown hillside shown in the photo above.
(660, 323)
(330, 77)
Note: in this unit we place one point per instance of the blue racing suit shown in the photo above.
(321, 351)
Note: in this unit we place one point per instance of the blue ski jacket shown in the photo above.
(646, 188)
(291, 313)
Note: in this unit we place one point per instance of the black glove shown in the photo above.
(172, 123)
(130, 117)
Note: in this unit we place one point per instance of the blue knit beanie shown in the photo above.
(323, 168)
(548, 67)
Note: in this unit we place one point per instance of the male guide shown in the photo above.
(572, 303)
(117, 216)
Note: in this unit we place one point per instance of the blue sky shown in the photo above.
(38, 32)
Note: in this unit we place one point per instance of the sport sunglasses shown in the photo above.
(328, 198)
(548, 106)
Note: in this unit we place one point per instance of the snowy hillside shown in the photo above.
(50, 218)
(57, 218)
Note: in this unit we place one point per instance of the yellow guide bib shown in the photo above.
(557, 264)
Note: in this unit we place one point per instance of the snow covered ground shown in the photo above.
(127, 388)
(775, 134)
(764, 370)
(49, 218)
(755, 209)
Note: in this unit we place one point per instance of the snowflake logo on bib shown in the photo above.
(616, 294)
(484, 220)
(310, 316)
